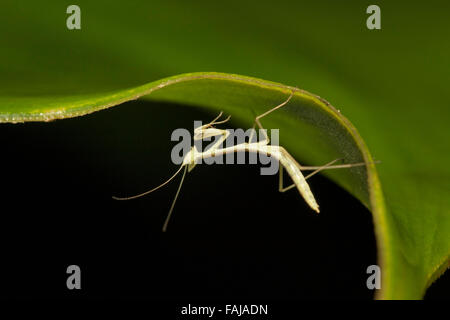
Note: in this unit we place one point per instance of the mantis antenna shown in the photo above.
(166, 222)
(150, 191)
(173, 202)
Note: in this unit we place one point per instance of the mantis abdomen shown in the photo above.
(293, 168)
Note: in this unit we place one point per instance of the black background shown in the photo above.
(232, 236)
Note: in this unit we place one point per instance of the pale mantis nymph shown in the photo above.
(287, 161)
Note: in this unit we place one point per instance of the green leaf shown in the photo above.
(391, 83)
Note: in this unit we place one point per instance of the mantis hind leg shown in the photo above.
(257, 121)
(329, 165)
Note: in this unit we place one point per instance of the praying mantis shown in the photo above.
(288, 163)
